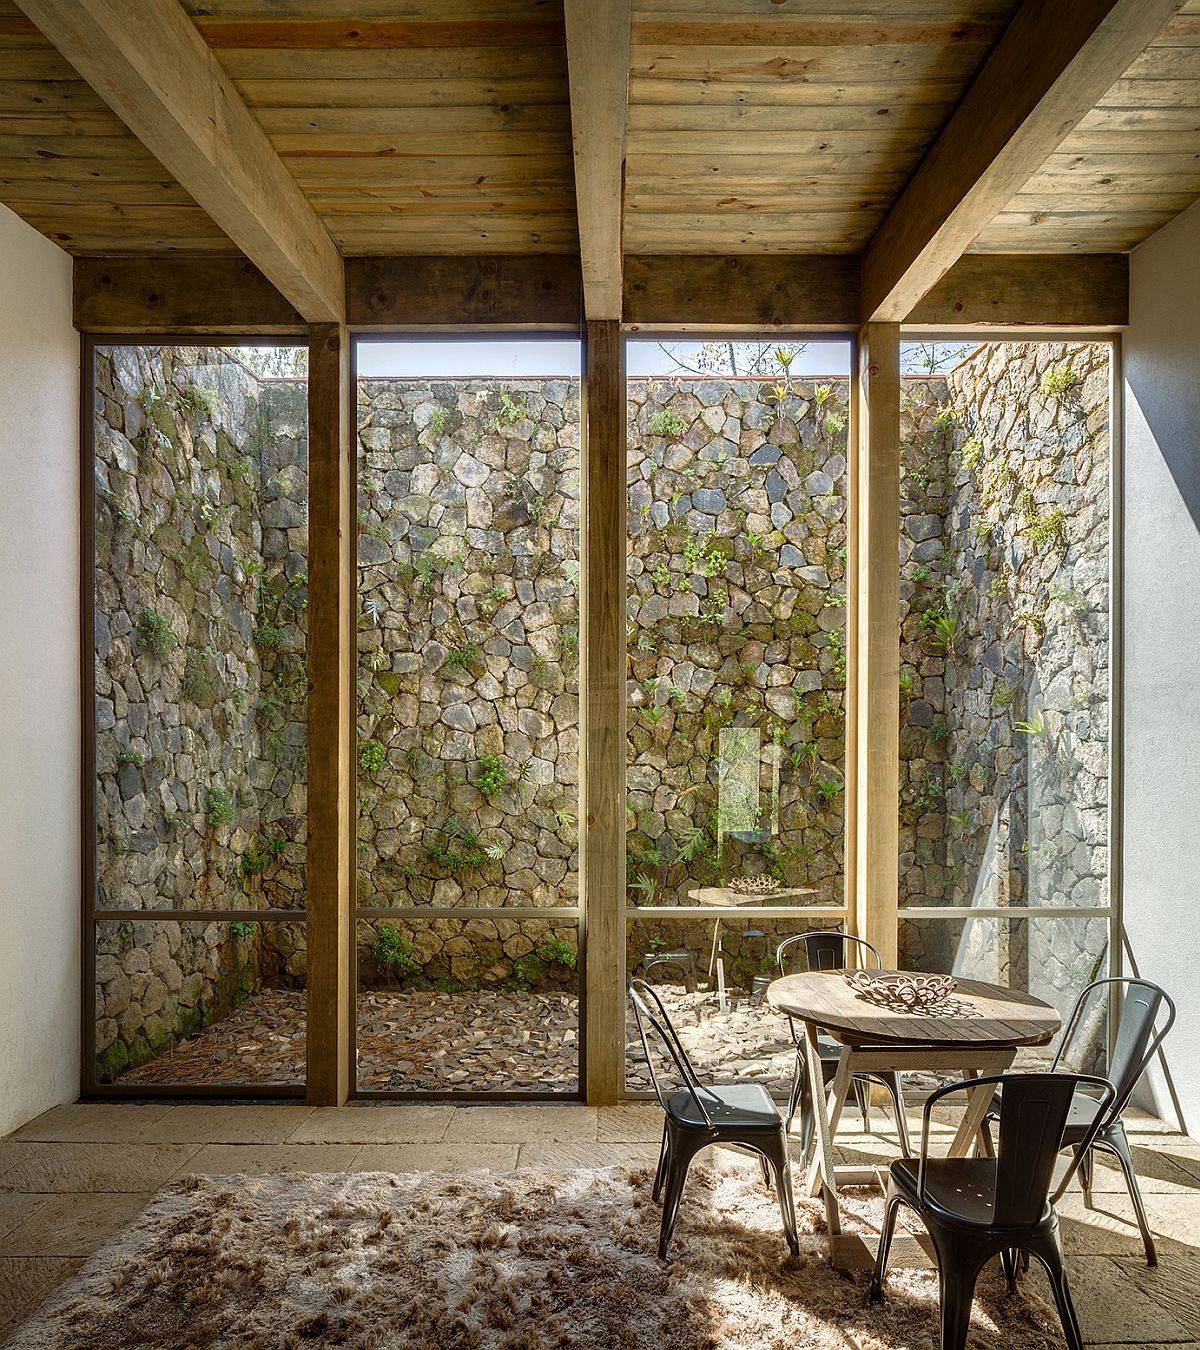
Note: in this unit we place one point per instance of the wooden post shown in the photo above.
(602, 681)
(331, 690)
(874, 739)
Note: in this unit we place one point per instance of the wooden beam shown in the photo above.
(728, 294)
(420, 292)
(1041, 290)
(875, 738)
(1053, 64)
(598, 74)
(331, 691)
(179, 295)
(150, 65)
(602, 679)
(741, 292)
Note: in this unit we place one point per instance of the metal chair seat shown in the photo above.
(744, 1106)
(957, 1190)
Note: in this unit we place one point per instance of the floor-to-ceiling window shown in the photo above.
(467, 919)
(1006, 652)
(196, 546)
(737, 510)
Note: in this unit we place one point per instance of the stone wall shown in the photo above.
(201, 583)
(1007, 805)
(468, 636)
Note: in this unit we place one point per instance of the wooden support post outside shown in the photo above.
(602, 681)
(331, 689)
(874, 740)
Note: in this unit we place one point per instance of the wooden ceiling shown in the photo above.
(444, 126)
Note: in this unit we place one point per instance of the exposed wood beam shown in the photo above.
(751, 294)
(602, 679)
(874, 739)
(1053, 64)
(179, 295)
(598, 73)
(1038, 290)
(331, 588)
(741, 292)
(150, 65)
(431, 292)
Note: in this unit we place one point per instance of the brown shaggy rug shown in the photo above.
(522, 1261)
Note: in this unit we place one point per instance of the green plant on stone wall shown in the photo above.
(457, 849)
(464, 659)
(666, 423)
(241, 929)
(939, 623)
(260, 855)
(1035, 726)
(127, 756)
(491, 776)
(557, 951)
(1048, 529)
(971, 454)
(961, 819)
(198, 399)
(939, 730)
(439, 421)
(218, 807)
(512, 409)
(371, 756)
(1059, 381)
(155, 633)
(392, 951)
(945, 417)
(1004, 695)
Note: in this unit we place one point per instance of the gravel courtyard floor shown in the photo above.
(422, 1041)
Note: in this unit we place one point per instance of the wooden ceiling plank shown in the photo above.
(347, 63)
(298, 34)
(598, 73)
(1052, 65)
(147, 61)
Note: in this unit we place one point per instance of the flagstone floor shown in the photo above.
(71, 1178)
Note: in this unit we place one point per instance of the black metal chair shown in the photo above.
(832, 950)
(978, 1208)
(741, 1114)
(1138, 1039)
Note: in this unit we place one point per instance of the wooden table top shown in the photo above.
(726, 895)
(977, 1013)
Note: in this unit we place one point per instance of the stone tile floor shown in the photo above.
(71, 1178)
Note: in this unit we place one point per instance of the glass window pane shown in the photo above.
(1005, 627)
(467, 1005)
(194, 1004)
(1051, 958)
(468, 628)
(719, 1011)
(737, 630)
(201, 583)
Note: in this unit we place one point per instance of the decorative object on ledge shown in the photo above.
(761, 885)
(911, 993)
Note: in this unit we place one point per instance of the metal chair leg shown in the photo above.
(892, 1082)
(1010, 1259)
(891, 1207)
(862, 1091)
(1087, 1169)
(1116, 1142)
(958, 1269)
(766, 1170)
(680, 1156)
(661, 1172)
(1049, 1253)
(775, 1156)
(797, 1088)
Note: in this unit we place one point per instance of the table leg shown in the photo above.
(978, 1102)
(826, 1110)
(716, 946)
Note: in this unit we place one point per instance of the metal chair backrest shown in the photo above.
(826, 949)
(1034, 1108)
(1138, 1034)
(653, 1019)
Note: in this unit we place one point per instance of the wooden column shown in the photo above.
(602, 681)
(331, 691)
(874, 703)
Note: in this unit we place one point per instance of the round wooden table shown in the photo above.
(978, 1031)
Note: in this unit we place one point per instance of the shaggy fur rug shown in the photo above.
(526, 1261)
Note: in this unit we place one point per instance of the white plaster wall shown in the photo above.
(39, 677)
(1162, 642)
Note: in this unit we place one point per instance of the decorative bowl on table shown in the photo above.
(906, 993)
